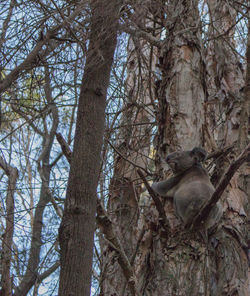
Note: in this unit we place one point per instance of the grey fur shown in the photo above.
(190, 187)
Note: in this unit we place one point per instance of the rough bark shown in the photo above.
(225, 79)
(184, 262)
(204, 212)
(181, 91)
(244, 113)
(76, 232)
(178, 263)
(227, 118)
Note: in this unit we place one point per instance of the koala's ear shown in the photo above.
(199, 153)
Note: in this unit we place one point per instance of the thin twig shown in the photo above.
(131, 162)
(65, 146)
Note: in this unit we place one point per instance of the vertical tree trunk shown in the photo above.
(227, 117)
(182, 262)
(76, 232)
(6, 253)
(178, 261)
(225, 75)
(125, 195)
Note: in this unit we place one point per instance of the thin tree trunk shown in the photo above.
(6, 281)
(76, 232)
(44, 168)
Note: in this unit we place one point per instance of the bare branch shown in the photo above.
(48, 272)
(138, 33)
(33, 57)
(16, 108)
(65, 147)
(134, 164)
(159, 206)
(107, 229)
(6, 23)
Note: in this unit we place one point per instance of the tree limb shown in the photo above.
(107, 229)
(65, 146)
(138, 33)
(159, 206)
(129, 161)
(48, 272)
(34, 56)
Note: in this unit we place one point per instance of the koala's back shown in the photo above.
(190, 197)
(192, 192)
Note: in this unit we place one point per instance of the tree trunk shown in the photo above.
(126, 199)
(6, 255)
(183, 262)
(76, 232)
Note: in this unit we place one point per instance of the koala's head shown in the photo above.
(181, 161)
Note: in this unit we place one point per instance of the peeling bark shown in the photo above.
(185, 262)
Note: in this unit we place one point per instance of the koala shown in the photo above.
(190, 187)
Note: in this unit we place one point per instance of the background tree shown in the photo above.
(37, 46)
(131, 150)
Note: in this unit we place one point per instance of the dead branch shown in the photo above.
(65, 146)
(203, 214)
(106, 226)
(218, 153)
(129, 161)
(159, 206)
(48, 272)
(138, 33)
(37, 52)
